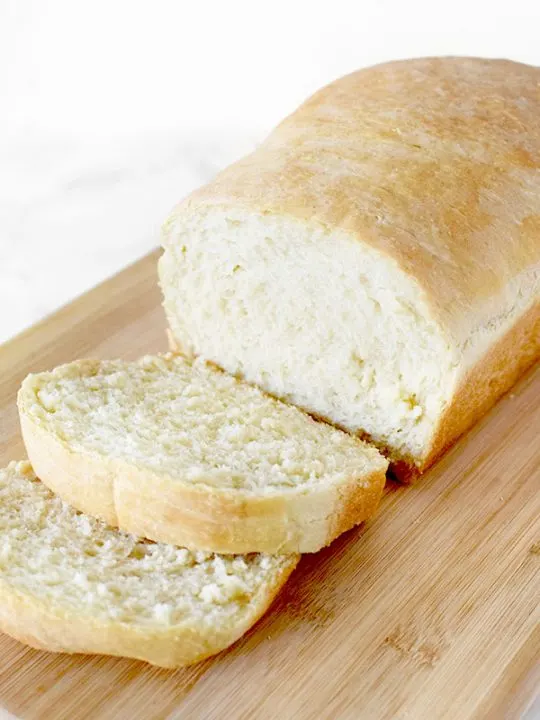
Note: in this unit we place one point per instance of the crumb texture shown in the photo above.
(79, 565)
(192, 422)
(339, 330)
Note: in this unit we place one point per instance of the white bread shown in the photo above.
(376, 260)
(69, 583)
(185, 454)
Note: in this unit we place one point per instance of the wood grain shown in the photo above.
(431, 611)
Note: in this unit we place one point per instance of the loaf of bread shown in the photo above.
(69, 583)
(183, 453)
(376, 260)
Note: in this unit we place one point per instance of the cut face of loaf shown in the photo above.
(376, 260)
(69, 583)
(313, 317)
(180, 452)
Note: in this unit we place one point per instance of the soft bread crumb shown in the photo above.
(71, 561)
(315, 317)
(193, 422)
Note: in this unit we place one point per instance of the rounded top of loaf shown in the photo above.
(433, 162)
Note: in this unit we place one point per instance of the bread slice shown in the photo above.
(183, 453)
(69, 583)
(376, 260)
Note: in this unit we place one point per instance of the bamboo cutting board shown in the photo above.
(431, 611)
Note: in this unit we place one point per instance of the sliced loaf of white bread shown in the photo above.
(69, 583)
(183, 453)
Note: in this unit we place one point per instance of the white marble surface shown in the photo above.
(110, 111)
(76, 211)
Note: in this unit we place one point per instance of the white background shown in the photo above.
(110, 111)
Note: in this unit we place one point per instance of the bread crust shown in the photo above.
(165, 509)
(35, 623)
(487, 380)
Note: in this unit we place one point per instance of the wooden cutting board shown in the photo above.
(431, 611)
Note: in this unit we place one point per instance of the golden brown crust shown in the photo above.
(357, 503)
(164, 509)
(487, 380)
(43, 627)
(433, 162)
